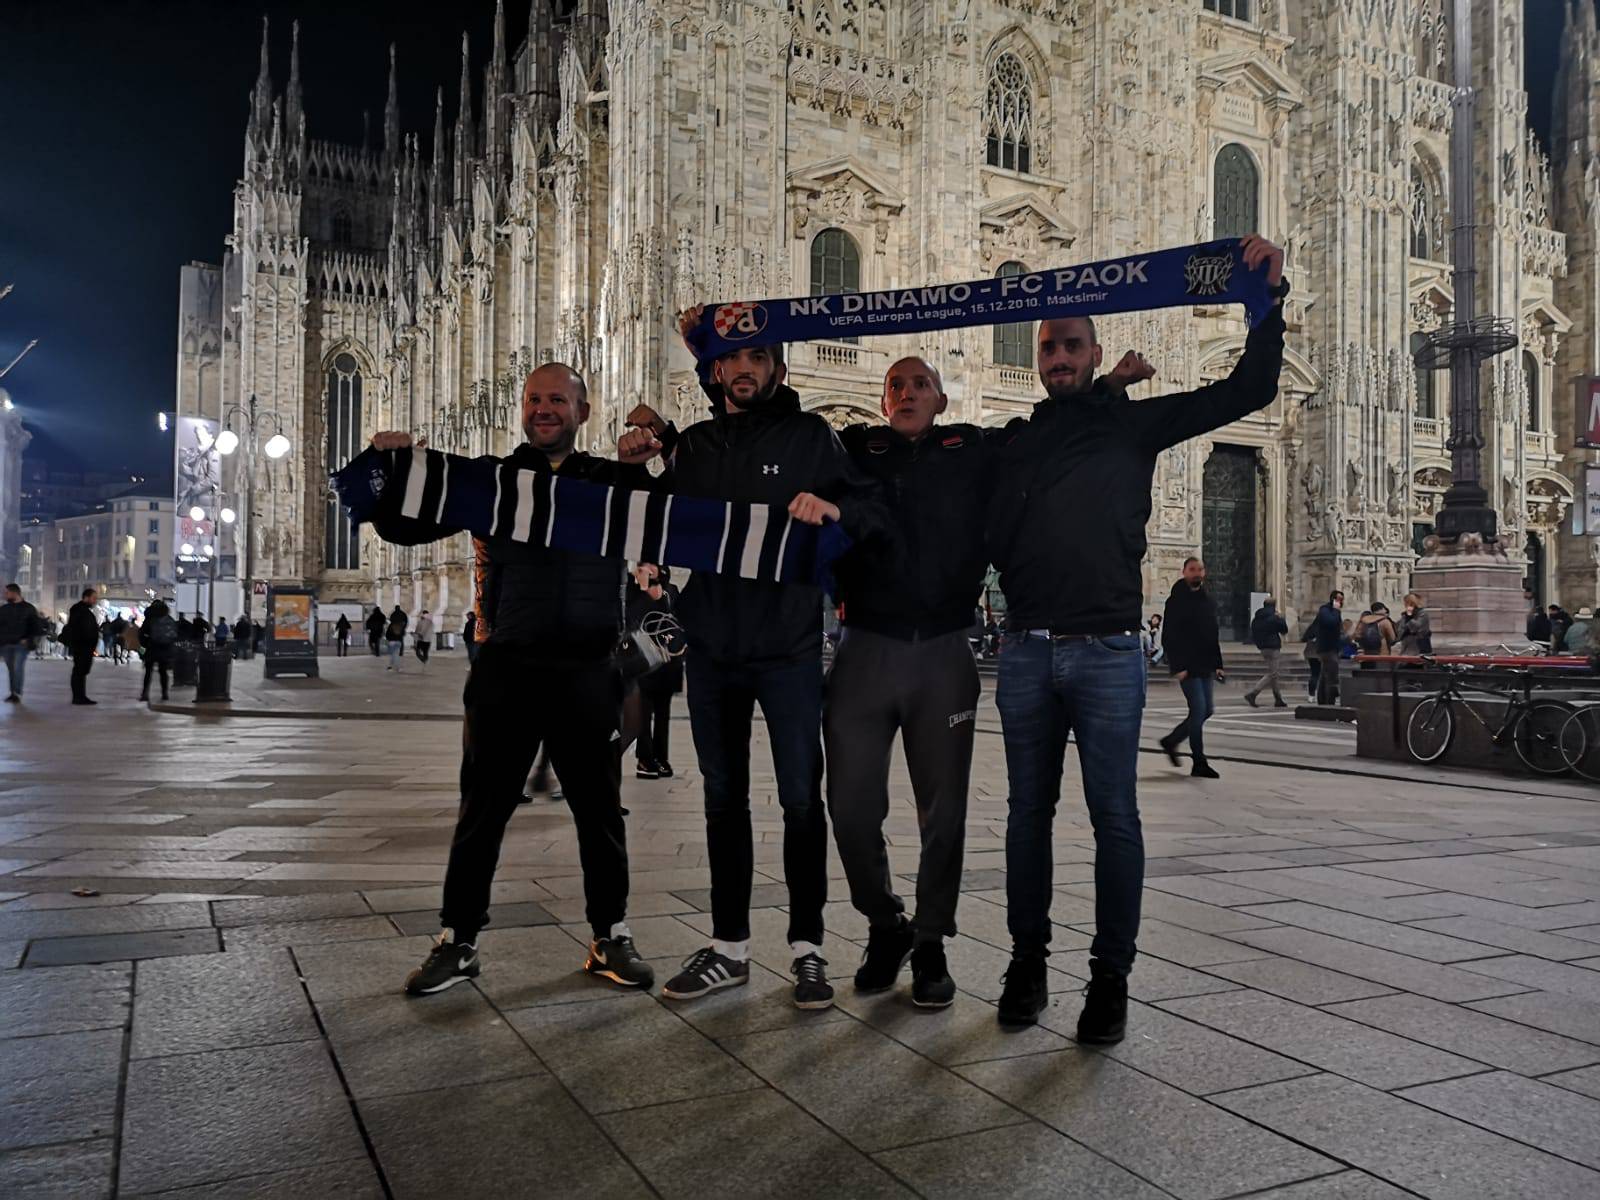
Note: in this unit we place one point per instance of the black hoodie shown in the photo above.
(1189, 631)
(766, 454)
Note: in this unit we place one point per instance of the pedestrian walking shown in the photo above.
(223, 632)
(422, 637)
(469, 635)
(130, 640)
(1375, 632)
(1067, 531)
(157, 636)
(117, 626)
(757, 642)
(1267, 630)
(376, 624)
(44, 646)
(1194, 656)
(80, 637)
(1327, 636)
(394, 637)
(341, 636)
(545, 677)
(20, 627)
(1415, 629)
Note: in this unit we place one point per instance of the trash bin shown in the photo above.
(215, 673)
(184, 655)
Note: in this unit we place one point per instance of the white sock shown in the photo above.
(620, 929)
(801, 949)
(738, 951)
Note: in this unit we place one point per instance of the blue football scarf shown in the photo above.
(491, 498)
(1208, 273)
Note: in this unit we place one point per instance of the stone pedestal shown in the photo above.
(1473, 594)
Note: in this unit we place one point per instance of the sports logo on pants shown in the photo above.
(736, 321)
(1208, 274)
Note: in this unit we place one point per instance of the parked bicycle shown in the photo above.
(1580, 741)
(1533, 727)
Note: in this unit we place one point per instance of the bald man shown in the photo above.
(1067, 530)
(547, 627)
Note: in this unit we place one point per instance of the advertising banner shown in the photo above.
(1587, 408)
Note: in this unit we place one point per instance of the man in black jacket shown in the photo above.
(758, 642)
(543, 675)
(1267, 630)
(375, 625)
(19, 626)
(1194, 656)
(1067, 530)
(80, 636)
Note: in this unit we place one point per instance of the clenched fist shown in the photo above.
(1258, 250)
(812, 510)
(637, 446)
(645, 417)
(1133, 368)
(687, 320)
(395, 440)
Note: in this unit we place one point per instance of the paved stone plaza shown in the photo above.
(1356, 981)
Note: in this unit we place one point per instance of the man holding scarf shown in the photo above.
(549, 621)
(1067, 531)
(757, 642)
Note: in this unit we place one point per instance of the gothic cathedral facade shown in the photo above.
(634, 157)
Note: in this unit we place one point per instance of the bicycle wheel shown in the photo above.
(1537, 736)
(1430, 730)
(1580, 741)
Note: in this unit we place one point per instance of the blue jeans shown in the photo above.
(722, 700)
(1197, 690)
(16, 659)
(397, 651)
(1093, 688)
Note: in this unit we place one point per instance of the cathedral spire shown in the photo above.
(542, 79)
(494, 93)
(437, 186)
(391, 114)
(261, 94)
(465, 140)
(296, 112)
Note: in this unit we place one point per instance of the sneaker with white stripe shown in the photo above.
(706, 971)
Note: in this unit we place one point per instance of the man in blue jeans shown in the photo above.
(1067, 531)
(1194, 656)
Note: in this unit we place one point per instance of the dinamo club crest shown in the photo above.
(734, 322)
(1208, 274)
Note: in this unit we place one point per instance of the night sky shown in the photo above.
(121, 135)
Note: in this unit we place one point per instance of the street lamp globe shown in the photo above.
(186, 548)
(277, 446)
(210, 550)
(227, 442)
(197, 513)
(227, 515)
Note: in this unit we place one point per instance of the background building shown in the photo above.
(632, 158)
(121, 547)
(14, 440)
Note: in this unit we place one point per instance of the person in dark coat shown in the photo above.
(1416, 629)
(19, 626)
(394, 637)
(1194, 656)
(341, 636)
(1560, 622)
(1327, 634)
(375, 625)
(1267, 631)
(157, 636)
(657, 688)
(80, 636)
(469, 635)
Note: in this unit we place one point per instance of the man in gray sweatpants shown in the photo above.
(904, 666)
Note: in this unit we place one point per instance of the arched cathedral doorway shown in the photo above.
(1228, 535)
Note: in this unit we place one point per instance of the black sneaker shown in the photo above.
(447, 964)
(1104, 1019)
(646, 771)
(811, 986)
(1026, 992)
(1250, 700)
(1171, 749)
(1203, 770)
(617, 959)
(13, 699)
(664, 770)
(887, 952)
(706, 971)
(931, 985)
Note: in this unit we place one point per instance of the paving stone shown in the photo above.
(640, 904)
(1188, 948)
(65, 999)
(59, 1088)
(1298, 981)
(1488, 1039)
(1552, 1011)
(1409, 1145)
(967, 1031)
(1019, 1162)
(1381, 966)
(1570, 979)
(506, 916)
(219, 1002)
(119, 918)
(536, 965)
(1346, 1185)
(308, 933)
(766, 1002)
(1186, 1054)
(264, 910)
(866, 1087)
(117, 947)
(76, 1171)
(1510, 937)
(626, 1051)
(346, 970)
(392, 1044)
(655, 937)
(1586, 1081)
(11, 954)
(1367, 931)
(1207, 890)
(191, 1118)
(1528, 1110)
(1359, 1052)
(489, 1141)
(783, 1152)
(1178, 1142)
(1156, 979)
(1200, 917)
(765, 895)
(353, 1179)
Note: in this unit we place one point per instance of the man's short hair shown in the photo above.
(938, 379)
(1191, 559)
(1336, 594)
(11, 587)
(583, 388)
(87, 592)
(774, 352)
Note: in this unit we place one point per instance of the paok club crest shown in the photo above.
(1208, 274)
(736, 321)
